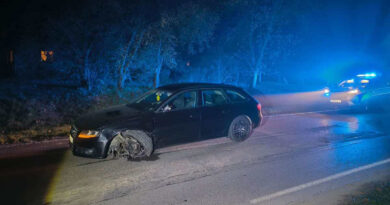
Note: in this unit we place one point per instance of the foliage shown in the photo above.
(109, 45)
(106, 52)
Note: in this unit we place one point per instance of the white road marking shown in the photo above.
(317, 182)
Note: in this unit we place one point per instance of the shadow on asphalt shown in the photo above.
(27, 180)
(154, 157)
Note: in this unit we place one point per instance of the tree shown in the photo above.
(77, 38)
(127, 55)
(159, 48)
(261, 37)
(186, 31)
(195, 26)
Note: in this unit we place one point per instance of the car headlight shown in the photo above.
(354, 91)
(88, 134)
(326, 90)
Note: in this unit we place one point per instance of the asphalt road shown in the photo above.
(307, 158)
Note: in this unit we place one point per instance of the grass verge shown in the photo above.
(371, 194)
(25, 136)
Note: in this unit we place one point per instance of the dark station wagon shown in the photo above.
(168, 115)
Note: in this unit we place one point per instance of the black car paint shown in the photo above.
(165, 128)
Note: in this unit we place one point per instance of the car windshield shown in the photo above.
(362, 83)
(150, 100)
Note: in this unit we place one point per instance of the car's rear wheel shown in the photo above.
(240, 128)
(131, 144)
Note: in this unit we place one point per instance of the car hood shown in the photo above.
(113, 115)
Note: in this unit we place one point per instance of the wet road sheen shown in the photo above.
(289, 150)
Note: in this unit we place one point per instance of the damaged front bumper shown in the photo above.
(92, 148)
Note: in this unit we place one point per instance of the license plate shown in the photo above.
(70, 139)
(335, 101)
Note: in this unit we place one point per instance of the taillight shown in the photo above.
(259, 107)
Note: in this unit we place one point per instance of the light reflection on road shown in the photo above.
(367, 143)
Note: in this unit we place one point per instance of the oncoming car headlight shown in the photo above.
(354, 91)
(88, 134)
(326, 90)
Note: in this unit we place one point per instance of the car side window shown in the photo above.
(186, 100)
(235, 96)
(213, 98)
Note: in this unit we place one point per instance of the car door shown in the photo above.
(238, 103)
(178, 121)
(215, 114)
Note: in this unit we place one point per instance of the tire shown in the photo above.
(240, 128)
(142, 139)
(117, 148)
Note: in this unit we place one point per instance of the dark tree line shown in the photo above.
(118, 45)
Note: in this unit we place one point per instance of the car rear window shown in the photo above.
(213, 98)
(235, 96)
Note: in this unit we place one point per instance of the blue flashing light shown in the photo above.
(367, 75)
(327, 94)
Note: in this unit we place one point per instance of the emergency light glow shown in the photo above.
(326, 92)
(372, 75)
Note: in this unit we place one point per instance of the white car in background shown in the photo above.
(365, 91)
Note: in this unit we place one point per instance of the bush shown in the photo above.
(32, 113)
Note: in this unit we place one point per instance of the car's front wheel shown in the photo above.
(240, 128)
(117, 148)
(131, 144)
